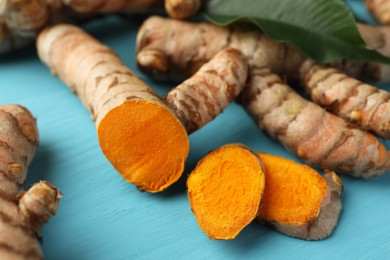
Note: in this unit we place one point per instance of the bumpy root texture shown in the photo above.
(298, 201)
(20, 21)
(21, 213)
(182, 9)
(173, 50)
(359, 103)
(225, 190)
(137, 132)
(317, 137)
(140, 135)
(202, 97)
(109, 6)
(380, 9)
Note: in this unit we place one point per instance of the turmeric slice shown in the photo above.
(318, 137)
(225, 190)
(298, 201)
(359, 103)
(22, 213)
(137, 130)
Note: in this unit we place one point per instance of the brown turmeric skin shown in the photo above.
(225, 190)
(317, 137)
(380, 9)
(298, 201)
(357, 102)
(139, 134)
(22, 20)
(110, 6)
(168, 58)
(205, 95)
(21, 213)
(182, 9)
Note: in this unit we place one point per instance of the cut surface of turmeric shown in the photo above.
(145, 142)
(225, 190)
(298, 201)
(144, 138)
(294, 192)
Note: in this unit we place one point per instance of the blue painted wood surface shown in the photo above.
(101, 216)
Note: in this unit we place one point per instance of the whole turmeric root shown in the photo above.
(110, 6)
(182, 9)
(225, 190)
(168, 58)
(380, 9)
(22, 213)
(22, 20)
(317, 137)
(359, 103)
(298, 201)
(139, 134)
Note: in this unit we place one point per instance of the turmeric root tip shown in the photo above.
(298, 201)
(380, 10)
(182, 9)
(145, 142)
(225, 190)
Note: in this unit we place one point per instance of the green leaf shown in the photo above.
(325, 30)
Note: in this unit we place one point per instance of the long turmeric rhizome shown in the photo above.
(144, 136)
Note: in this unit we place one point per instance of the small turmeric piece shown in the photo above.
(362, 104)
(138, 132)
(182, 9)
(380, 9)
(22, 213)
(172, 50)
(298, 201)
(225, 190)
(317, 137)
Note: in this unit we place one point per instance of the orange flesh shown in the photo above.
(294, 192)
(225, 191)
(146, 143)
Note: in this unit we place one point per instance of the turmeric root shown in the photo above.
(380, 9)
(170, 50)
(22, 213)
(205, 95)
(22, 20)
(317, 137)
(225, 190)
(359, 103)
(138, 133)
(105, 6)
(298, 201)
(182, 9)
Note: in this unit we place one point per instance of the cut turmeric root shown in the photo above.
(22, 213)
(298, 201)
(225, 190)
(138, 133)
(317, 137)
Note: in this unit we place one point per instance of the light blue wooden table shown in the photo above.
(103, 217)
